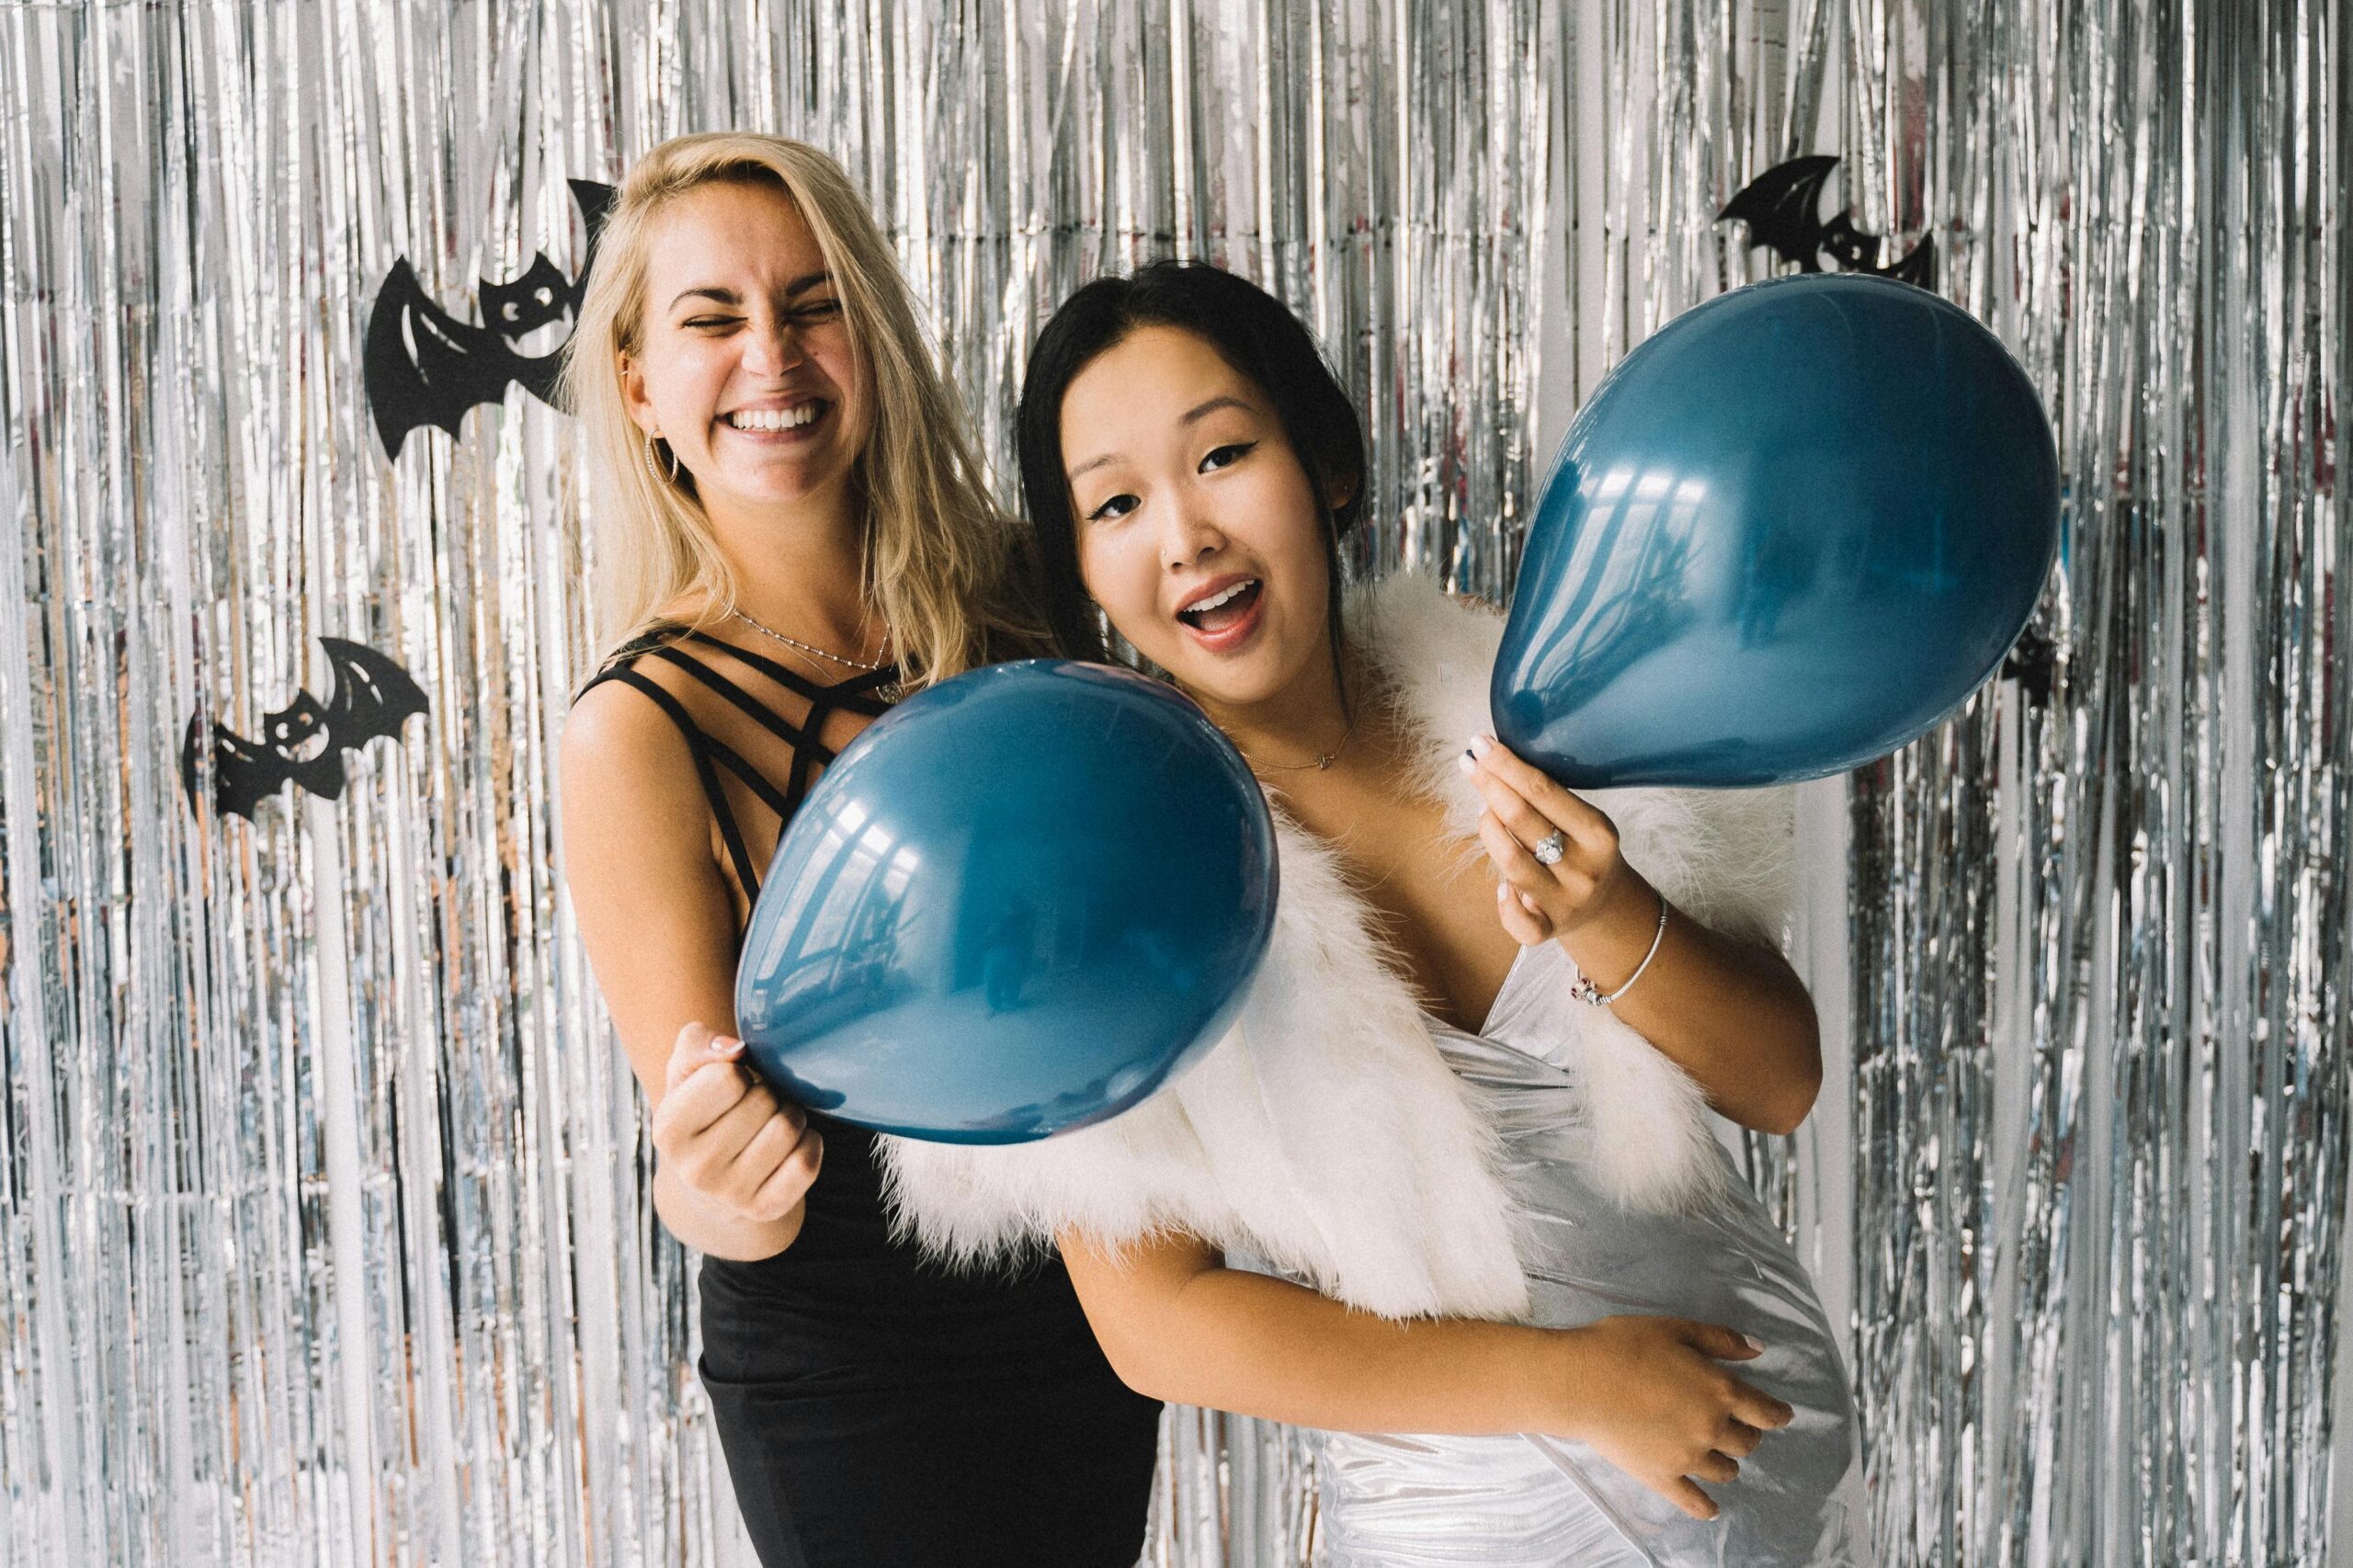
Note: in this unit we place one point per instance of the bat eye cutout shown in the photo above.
(1782, 208)
(541, 297)
(294, 727)
(373, 697)
(422, 365)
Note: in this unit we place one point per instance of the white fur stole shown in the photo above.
(1325, 1133)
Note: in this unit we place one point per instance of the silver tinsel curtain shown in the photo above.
(2096, 955)
(323, 1225)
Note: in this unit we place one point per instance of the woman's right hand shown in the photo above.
(1653, 1398)
(726, 1137)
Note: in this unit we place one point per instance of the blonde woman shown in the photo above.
(791, 527)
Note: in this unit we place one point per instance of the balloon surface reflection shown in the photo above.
(1790, 531)
(1016, 904)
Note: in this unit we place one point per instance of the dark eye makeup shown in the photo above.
(1223, 455)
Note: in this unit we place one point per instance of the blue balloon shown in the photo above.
(1790, 532)
(1016, 904)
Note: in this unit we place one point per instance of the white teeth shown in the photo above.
(776, 418)
(1217, 599)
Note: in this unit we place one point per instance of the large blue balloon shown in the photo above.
(1016, 904)
(1790, 531)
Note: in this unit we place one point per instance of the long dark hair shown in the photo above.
(1253, 332)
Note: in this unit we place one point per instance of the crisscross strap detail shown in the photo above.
(861, 694)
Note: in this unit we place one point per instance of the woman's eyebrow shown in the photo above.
(723, 296)
(1197, 411)
(1202, 410)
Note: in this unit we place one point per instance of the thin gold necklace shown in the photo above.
(1323, 759)
(760, 626)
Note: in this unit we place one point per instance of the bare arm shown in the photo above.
(658, 920)
(1650, 1394)
(1178, 1324)
(1731, 1014)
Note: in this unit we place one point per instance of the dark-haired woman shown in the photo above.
(1450, 1176)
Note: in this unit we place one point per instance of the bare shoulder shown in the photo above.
(617, 736)
(625, 766)
(653, 907)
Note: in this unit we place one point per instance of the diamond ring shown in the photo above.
(1549, 848)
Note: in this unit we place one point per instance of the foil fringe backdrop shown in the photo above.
(2095, 1093)
(339, 1079)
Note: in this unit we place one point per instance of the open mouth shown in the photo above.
(799, 416)
(1224, 611)
(539, 342)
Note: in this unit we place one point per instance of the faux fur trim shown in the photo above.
(1722, 858)
(1324, 1134)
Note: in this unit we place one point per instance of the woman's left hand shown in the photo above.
(1537, 901)
(1731, 1014)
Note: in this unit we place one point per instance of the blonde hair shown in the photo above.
(939, 552)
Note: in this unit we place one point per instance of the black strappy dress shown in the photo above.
(878, 1411)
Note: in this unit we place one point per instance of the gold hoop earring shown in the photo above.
(654, 464)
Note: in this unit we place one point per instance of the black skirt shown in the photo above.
(876, 1409)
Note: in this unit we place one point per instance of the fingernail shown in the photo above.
(1752, 1343)
(1503, 892)
(1482, 745)
(1466, 762)
(728, 1045)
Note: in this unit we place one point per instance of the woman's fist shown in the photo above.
(726, 1137)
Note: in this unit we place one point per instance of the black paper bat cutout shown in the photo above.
(2034, 662)
(303, 743)
(424, 366)
(1782, 209)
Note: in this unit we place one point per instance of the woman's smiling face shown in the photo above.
(1197, 528)
(744, 365)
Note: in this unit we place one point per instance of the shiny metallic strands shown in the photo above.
(2097, 1095)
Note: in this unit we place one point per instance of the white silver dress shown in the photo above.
(1522, 1502)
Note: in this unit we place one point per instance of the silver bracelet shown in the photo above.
(1586, 990)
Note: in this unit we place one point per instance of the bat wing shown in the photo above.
(1917, 265)
(372, 696)
(243, 774)
(595, 203)
(422, 365)
(1781, 207)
